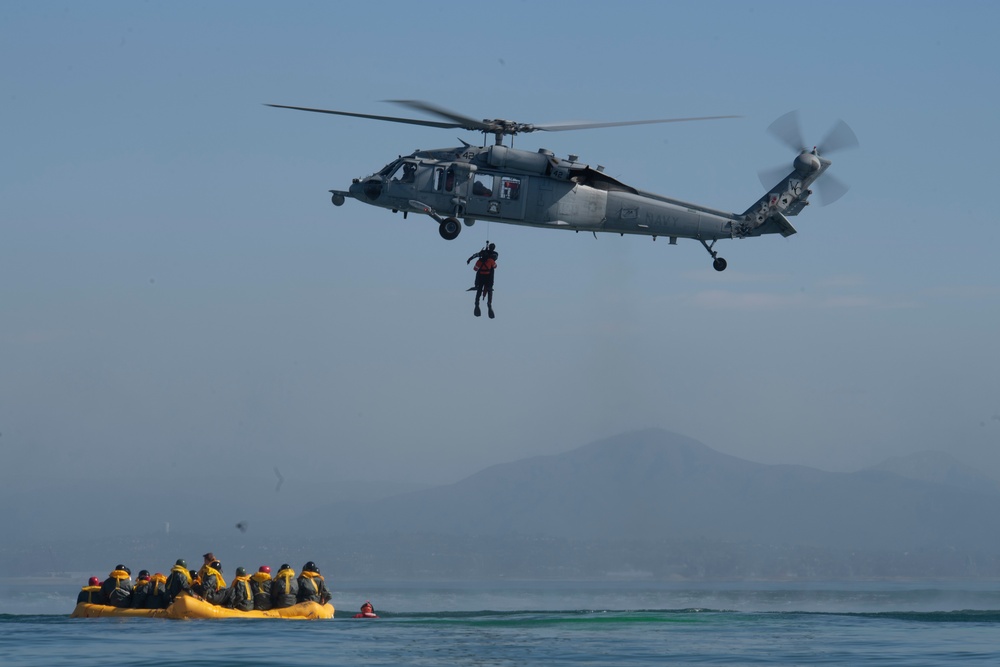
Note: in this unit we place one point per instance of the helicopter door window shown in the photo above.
(510, 188)
(483, 185)
(449, 180)
(439, 179)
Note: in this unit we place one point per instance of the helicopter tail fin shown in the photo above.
(759, 220)
(768, 215)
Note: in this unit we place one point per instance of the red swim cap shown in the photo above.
(265, 568)
(94, 581)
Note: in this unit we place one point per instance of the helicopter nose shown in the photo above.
(370, 189)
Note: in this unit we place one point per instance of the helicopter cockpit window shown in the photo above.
(483, 185)
(510, 188)
(405, 172)
(389, 168)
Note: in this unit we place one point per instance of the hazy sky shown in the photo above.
(176, 286)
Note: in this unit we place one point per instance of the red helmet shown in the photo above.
(265, 568)
(94, 581)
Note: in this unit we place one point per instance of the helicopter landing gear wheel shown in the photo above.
(718, 263)
(337, 199)
(449, 229)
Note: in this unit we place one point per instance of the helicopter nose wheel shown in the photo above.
(449, 229)
(718, 263)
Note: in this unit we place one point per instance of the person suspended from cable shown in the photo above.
(485, 268)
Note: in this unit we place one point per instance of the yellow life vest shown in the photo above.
(310, 576)
(184, 571)
(286, 576)
(119, 576)
(246, 586)
(91, 591)
(220, 583)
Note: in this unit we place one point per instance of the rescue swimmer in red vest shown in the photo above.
(312, 587)
(117, 588)
(485, 269)
(284, 588)
(260, 586)
(367, 611)
(178, 581)
(91, 593)
(211, 585)
(239, 596)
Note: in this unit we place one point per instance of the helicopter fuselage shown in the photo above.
(502, 184)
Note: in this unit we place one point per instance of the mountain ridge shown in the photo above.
(654, 484)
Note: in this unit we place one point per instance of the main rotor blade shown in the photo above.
(839, 138)
(496, 126)
(462, 121)
(586, 125)
(391, 119)
(787, 130)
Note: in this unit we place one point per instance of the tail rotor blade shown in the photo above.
(840, 137)
(771, 177)
(788, 131)
(830, 189)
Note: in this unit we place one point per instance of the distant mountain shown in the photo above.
(940, 468)
(655, 485)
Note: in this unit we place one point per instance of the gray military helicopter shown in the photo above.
(499, 183)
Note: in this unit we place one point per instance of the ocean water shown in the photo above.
(550, 623)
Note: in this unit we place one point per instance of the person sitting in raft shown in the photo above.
(284, 588)
(117, 588)
(213, 586)
(239, 596)
(312, 587)
(140, 590)
(260, 586)
(367, 611)
(208, 558)
(91, 593)
(178, 581)
(156, 593)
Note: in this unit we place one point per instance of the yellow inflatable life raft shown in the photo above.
(187, 607)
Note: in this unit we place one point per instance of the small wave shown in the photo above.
(956, 616)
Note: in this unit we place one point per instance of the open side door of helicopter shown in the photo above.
(497, 195)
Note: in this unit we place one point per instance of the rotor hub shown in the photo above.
(807, 162)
